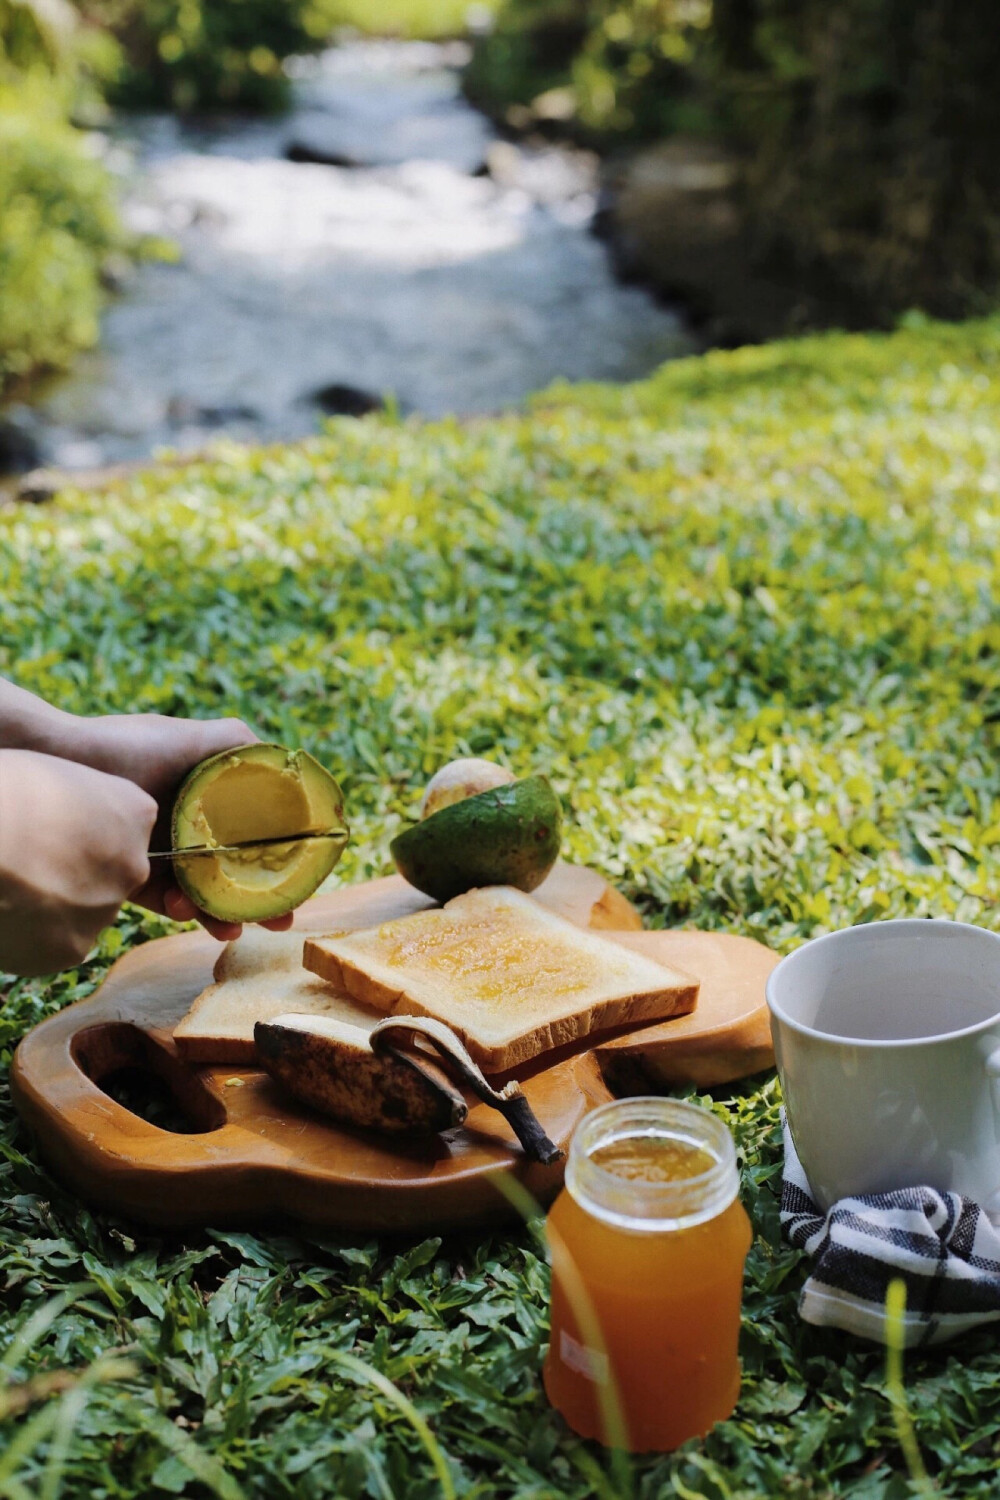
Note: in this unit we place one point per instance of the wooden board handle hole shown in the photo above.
(145, 1077)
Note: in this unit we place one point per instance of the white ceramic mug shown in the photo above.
(887, 1040)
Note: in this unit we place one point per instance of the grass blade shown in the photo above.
(202, 1464)
(619, 1485)
(895, 1339)
(364, 1373)
(37, 1324)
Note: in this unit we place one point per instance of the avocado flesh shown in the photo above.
(508, 835)
(256, 792)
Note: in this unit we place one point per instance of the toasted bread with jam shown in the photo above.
(511, 978)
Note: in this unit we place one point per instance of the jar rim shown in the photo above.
(634, 1204)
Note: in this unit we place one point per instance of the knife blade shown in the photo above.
(196, 850)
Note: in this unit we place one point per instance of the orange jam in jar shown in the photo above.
(648, 1241)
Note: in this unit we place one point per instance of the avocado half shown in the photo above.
(256, 792)
(509, 835)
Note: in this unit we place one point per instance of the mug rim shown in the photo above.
(896, 923)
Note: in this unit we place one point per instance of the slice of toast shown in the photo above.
(258, 976)
(511, 978)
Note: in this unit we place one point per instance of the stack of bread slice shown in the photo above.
(512, 979)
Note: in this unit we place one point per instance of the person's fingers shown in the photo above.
(160, 837)
(223, 734)
(160, 895)
(224, 932)
(151, 895)
(182, 909)
(178, 906)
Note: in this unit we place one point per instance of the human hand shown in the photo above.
(73, 845)
(153, 750)
(156, 753)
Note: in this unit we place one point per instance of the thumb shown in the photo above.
(223, 734)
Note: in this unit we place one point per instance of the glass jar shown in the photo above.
(648, 1241)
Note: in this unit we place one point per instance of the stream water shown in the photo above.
(376, 241)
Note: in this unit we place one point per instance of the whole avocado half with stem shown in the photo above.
(508, 835)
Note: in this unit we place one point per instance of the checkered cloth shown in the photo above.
(941, 1245)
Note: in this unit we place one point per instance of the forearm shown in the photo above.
(119, 744)
(29, 723)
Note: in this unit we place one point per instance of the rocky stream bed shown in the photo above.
(377, 242)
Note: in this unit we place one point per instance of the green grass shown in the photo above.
(744, 614)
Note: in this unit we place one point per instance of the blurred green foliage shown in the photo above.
(205, 54)
(744, 613)
(57, 218)
(866, 128)
(35, 34)
(409, 18)
(230, 54)
(57, 222)
(869, 129)
(612, 69)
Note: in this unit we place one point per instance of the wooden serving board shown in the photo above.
(251, 1154)
(727, 1036)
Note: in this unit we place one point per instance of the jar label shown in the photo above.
(590, 1363)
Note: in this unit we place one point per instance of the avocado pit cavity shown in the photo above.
(248, 801)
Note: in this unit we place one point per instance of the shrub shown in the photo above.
(616, 69)
(199, 54)
(35, 34)
(57, 221)
(869, 128)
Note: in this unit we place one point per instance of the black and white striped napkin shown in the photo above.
(941, 1245)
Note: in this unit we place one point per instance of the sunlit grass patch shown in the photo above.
(745, 615)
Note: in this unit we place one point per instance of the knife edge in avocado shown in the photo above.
(508, 835)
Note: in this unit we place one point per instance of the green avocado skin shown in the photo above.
(509, 835)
